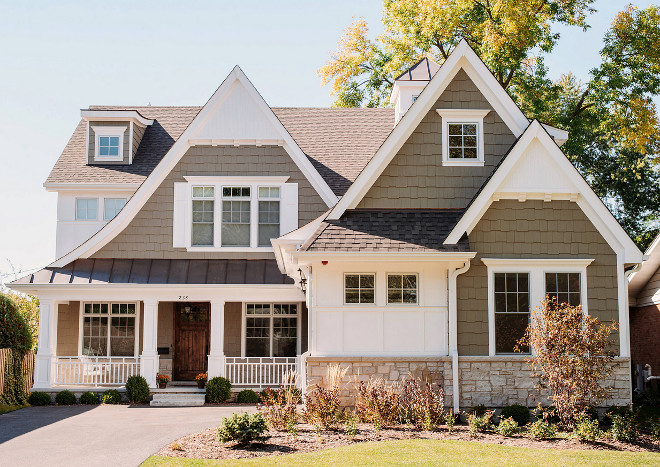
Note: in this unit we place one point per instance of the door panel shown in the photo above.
(191, 338)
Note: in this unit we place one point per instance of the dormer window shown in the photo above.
(462, 136)
(109, 143)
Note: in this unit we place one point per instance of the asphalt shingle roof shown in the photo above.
(338, 142)
(388, 231)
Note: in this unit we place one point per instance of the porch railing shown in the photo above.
(259, 371)
(95, 371)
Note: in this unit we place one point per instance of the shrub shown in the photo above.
(247, 396)
(111, 396)
(478, 410)
(89, 398)
(39, 398)
(591, 412)
(65, 398)
(242, 428)
(218, 390)
(507, 426)
(322, 408)
(572, 354)
(15, 334)
(586, 428)
(422, 404)
(620, 410)
(549, 414)
(378, 403)
(351, 420)
(279, 407)
(137, 390)
(542, 429)
(518, 412)
(479, 423)
(623, 428)
(450, 420)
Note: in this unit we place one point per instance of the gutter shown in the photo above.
(453, 333)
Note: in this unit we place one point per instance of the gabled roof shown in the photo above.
(651, 264)
(462, 57)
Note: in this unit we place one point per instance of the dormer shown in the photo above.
(409, 84)
(113, 136)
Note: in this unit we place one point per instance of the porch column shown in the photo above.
(45, 365)
(149, 357)
(217, 347)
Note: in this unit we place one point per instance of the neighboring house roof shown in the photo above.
(388, 231)
(160, 271)
(338, 142)
(649, 267)
(420, 71)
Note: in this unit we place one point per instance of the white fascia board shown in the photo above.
(527, 262)
(650, 265)
(96, 187)
(211, 179)
(461, 57)
(374, 256)
(560, 136)
(115, 116)
(286, 244)
(588, 201)
(174, 155)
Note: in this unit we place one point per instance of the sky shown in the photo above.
(59, 57)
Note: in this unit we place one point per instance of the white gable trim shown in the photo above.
(462, 57)
(177, 151)
(579, 191)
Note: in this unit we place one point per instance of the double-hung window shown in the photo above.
(563, 287)
(511, 310)
(109, 329)
(112, 206)
(236, 202)
(203, 205)
(86, 209)
(271, 329)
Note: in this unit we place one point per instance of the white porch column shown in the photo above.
(217, 345)
(44, 362)
(149, 357)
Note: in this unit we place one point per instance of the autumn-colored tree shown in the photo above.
(572, 357)
(612, 120)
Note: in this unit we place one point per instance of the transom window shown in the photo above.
(402, 288)
(564, 287)
(359, 288)
(235, 216)
(511, 310)
(203, 206)
(271, 329)
(109, 329)
(112, 206)
(86, 209)
(463, 141)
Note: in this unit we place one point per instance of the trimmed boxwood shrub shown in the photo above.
(518, 412)
(111, 396)
(65, 398)
(218, 390)
(89, 398)
(247, 396)
(39, 398)
(137, 390)
(242, 428)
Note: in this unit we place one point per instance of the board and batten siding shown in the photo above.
(149, 234)
(416, 178)
(92, 143)
(533, 229)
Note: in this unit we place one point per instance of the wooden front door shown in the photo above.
(191, 340)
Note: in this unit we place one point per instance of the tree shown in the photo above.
(612, 121)
(14, 335)
(572, 357)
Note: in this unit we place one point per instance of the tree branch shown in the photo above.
(508, 78)
(580, 107)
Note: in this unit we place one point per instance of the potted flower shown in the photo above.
(201, 380)
(162, 380)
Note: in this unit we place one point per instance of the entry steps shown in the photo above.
(178, 397)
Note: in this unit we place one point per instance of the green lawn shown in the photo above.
(430, 452)
(10, 408)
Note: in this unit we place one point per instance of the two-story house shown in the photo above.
(247, 240)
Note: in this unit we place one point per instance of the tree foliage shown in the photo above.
(14, 335)
(612, 120)
(572, 357)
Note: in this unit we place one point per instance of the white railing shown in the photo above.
(259, 372)
(95, 371)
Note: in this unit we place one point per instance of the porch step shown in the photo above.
(177, 399)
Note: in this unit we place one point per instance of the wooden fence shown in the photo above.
(28, 368)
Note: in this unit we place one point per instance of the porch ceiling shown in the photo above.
(161, 271)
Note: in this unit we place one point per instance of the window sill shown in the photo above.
(239, 249)
(466, 163)
(98, 159)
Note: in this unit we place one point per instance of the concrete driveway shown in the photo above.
(101, 435)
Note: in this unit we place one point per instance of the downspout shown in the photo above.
(453, 332)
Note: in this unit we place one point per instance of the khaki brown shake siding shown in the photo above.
(233, 325)
(416, 178)
(68, 322)
(533, 229)
(149, 234)
(92, 143)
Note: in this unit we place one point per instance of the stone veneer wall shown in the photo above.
(492, 381)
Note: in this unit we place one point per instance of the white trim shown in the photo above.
(176, 152)
(359, 305)
(113, 132)
(115, 116)
(98, 218)
(643, 275)
(109, 315)
(417, 291)
(406, 256)
(130, 143)
(459, 116)
(229, 180)
(271, 317)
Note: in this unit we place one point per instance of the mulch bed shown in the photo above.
(204, 445)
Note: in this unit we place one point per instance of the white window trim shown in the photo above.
(87, 199)
(217, 183)
(271, 316)
(117, 131)
(536, 268)
(343, 288)
(463, 116)
(81, 321)
(387, 289)
(105, 200)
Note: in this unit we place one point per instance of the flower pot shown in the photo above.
(201, 384)
(162, 385)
